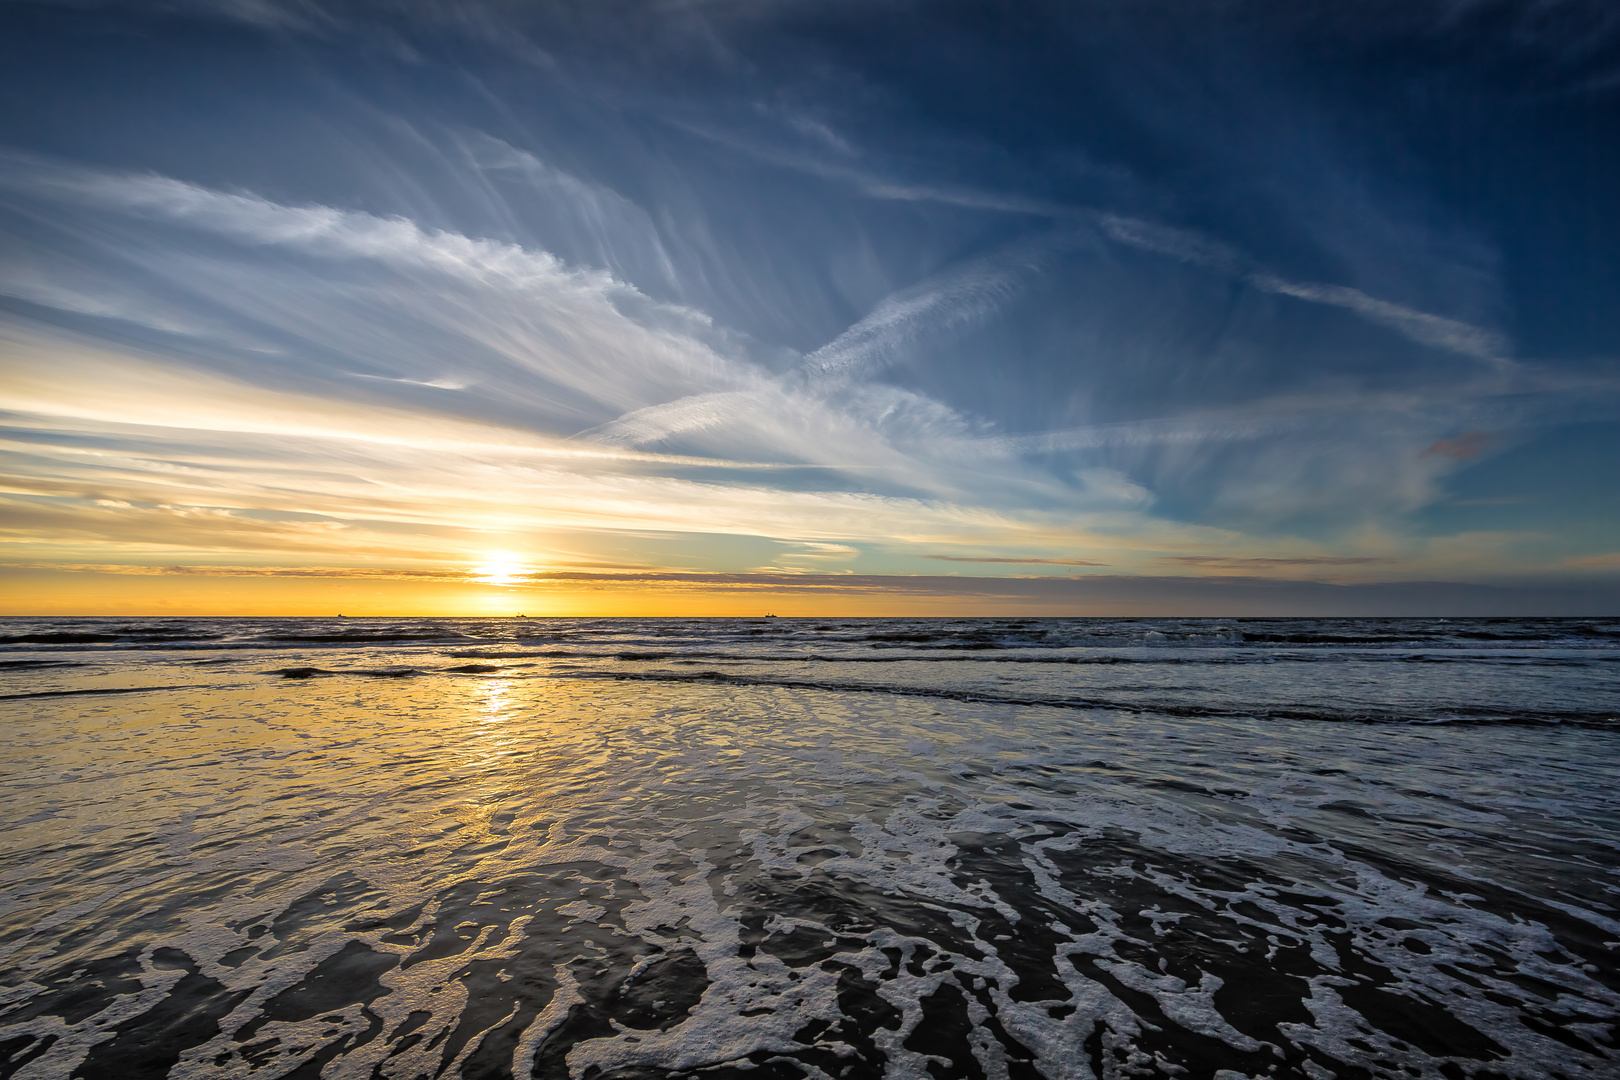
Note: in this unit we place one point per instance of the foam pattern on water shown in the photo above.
(489, 875)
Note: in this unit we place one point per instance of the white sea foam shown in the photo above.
(400, 878)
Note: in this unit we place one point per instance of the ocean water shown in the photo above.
(595, 848)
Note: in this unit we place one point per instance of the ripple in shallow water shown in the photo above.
(482, 876)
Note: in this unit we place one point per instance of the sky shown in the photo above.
(687, 307)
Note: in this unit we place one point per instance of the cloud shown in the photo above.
(599, 338)
(1421, 327)
(606, 344)
(1013, 561)
(1180, 244)
(324, 230)
(835, 552)
(695, 413)
(568, 342)
(1435, 331)
(1609, 560)
(1188, 246)
(126, 569)
(1253, 565)
(1484, 344)
(125, 451)
(1132, 433)
(964, 294)
(416, 390)
(585, 221)
(833, 384)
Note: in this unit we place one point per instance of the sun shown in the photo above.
(499, 568)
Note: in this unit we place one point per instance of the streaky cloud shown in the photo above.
(964, 294)
(1422, 327)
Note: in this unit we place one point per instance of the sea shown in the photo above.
(605, 849)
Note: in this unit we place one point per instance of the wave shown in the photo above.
(370, 673)
(364, 638)
(689, 655)
(390, 672)
(1459, 716)
(94, 690)
(1374, 670)
(907, 638)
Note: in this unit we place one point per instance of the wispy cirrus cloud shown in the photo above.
(572, 338)
(833, 384)
(1452, 335)
(936, 306)
(446, 381)
(868, 338)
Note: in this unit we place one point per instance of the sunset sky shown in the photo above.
(704, 307)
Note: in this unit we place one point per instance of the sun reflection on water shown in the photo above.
(497, 698)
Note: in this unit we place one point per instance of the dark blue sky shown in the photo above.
(1313, 291)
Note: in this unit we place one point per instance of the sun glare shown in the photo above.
(499, 568)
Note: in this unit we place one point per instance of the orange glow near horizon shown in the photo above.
(59, 593)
